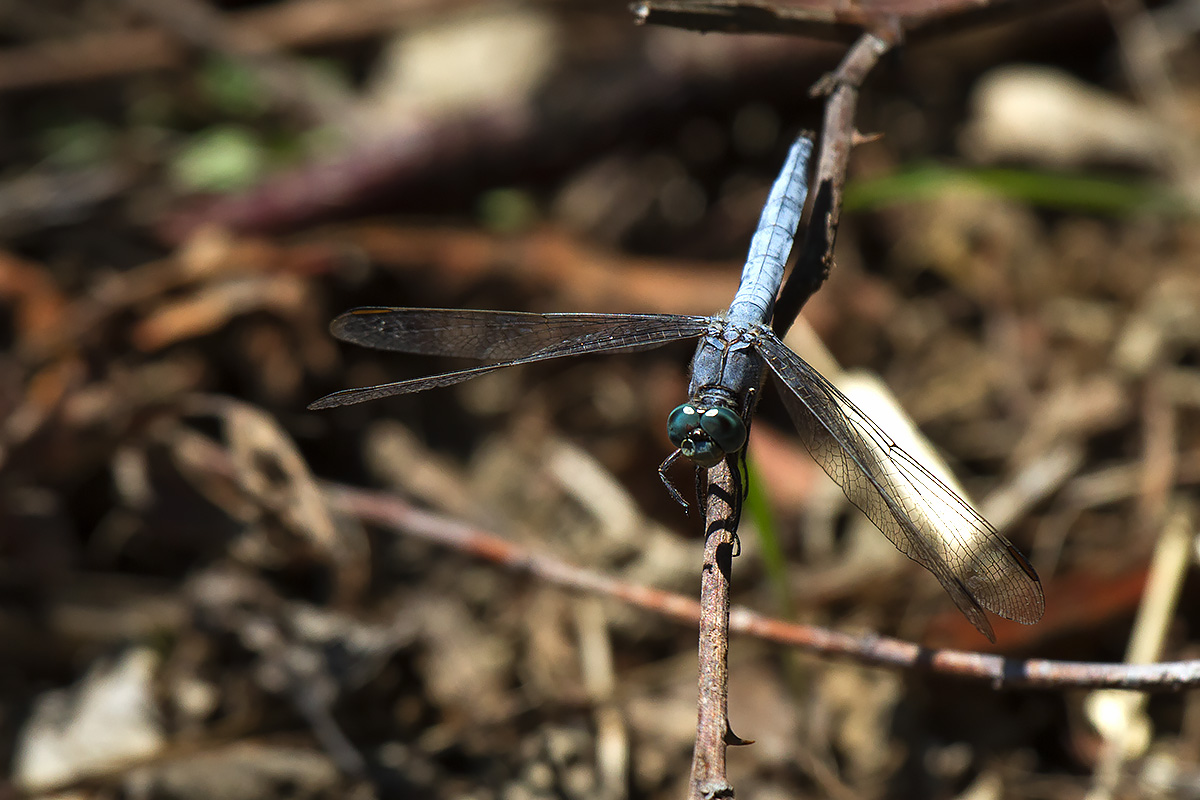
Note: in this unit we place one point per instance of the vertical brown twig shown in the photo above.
(712, 726)
(837, 139)
(713, 733)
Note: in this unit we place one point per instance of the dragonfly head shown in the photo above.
(706, 435)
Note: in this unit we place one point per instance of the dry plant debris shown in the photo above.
(187, 613)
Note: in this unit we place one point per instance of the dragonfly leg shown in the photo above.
(748, 404)
(662, 473)
(702, 488)
(743, 477)
(743, 473)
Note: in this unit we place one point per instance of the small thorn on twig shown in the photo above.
(857, 138)
(732, 739)
(824, 85)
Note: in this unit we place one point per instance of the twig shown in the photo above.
(712, 725)
(43, 198)
(1145, 58)
(1120, 717)
(1145, 54)
(838, 137)
(823, 19)
(393, 513)
(295, 23)
(739, 17)
(1160, 456)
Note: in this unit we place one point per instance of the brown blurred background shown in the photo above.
(190, 191)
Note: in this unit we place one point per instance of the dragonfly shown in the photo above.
(925, 519)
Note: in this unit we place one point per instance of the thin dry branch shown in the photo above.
(822, 19)
(712, 724)
(296, 23)
(838, 138)
(394, 514)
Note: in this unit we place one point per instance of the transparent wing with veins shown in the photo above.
(501, 338)
(922, 516)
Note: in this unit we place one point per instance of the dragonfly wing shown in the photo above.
(348, 397)
(507, 338)
(922, 516)
(506, 335)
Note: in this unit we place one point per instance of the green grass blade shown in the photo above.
(1058, 191)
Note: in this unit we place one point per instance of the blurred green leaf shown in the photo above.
(507, 210)
(231, 88)
(78, 143)
(329, 71)
(220, 159)
(758, 508)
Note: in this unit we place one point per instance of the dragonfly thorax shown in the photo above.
(705, 435)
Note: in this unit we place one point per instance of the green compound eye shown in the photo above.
(680, 422)
(725, 428)
(704, 437)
